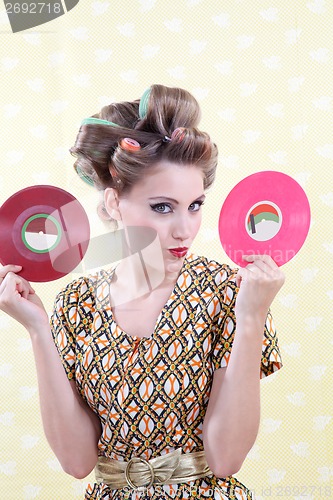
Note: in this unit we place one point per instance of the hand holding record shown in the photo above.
(266, 213)
(258, 282)
(19, 300)
(45, 230)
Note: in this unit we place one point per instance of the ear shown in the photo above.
(111, 202)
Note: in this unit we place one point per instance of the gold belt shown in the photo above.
(171, 468)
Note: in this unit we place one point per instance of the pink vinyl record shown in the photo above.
(266, 213)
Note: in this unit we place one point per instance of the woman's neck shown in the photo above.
(138, 277)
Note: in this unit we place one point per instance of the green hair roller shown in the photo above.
(97, 121)
(143, 106)
(83, 176)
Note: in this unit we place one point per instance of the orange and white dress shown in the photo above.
(151, 393)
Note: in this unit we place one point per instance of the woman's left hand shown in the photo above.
(259, 283)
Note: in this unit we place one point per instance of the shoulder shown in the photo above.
(85, 288)
(209, 269)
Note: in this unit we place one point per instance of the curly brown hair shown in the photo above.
(150, 121)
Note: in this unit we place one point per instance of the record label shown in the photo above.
(266, 213)
(41, 233)
(45, 230)
(263, 221)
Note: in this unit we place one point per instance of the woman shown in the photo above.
(160, 392)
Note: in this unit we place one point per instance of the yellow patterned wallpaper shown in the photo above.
(262, 71)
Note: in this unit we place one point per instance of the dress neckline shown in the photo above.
(136, 338)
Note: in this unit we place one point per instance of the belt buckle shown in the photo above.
(127, 472)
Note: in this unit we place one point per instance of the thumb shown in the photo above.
(238, 279)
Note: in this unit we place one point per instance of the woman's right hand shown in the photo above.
(19, 300)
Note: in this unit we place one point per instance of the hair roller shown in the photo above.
(83, 175)
(143, 106)
(129, 144)
(98, 121)
(178, 134)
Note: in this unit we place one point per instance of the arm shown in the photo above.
(233, 413)
(71, 427)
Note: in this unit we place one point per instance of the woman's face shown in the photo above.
(168, 200)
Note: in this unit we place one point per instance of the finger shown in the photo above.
(238, 279)
(24, 289)
(251, 271)
(267, 259)
(259, 265)
(9, 268)
(244, 273)
(14, 282)
(251, 268)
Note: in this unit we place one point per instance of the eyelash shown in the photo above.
(157, 205)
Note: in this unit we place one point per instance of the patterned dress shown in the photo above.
(151, 393)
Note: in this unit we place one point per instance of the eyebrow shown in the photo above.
(166, 198)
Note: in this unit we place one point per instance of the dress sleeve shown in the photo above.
(270, 358)
(63, 322)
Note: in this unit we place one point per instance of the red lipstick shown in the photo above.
(178, 252)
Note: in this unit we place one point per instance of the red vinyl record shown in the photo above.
(45, 230)
(266, 213)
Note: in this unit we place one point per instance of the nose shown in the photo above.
(181, 230)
